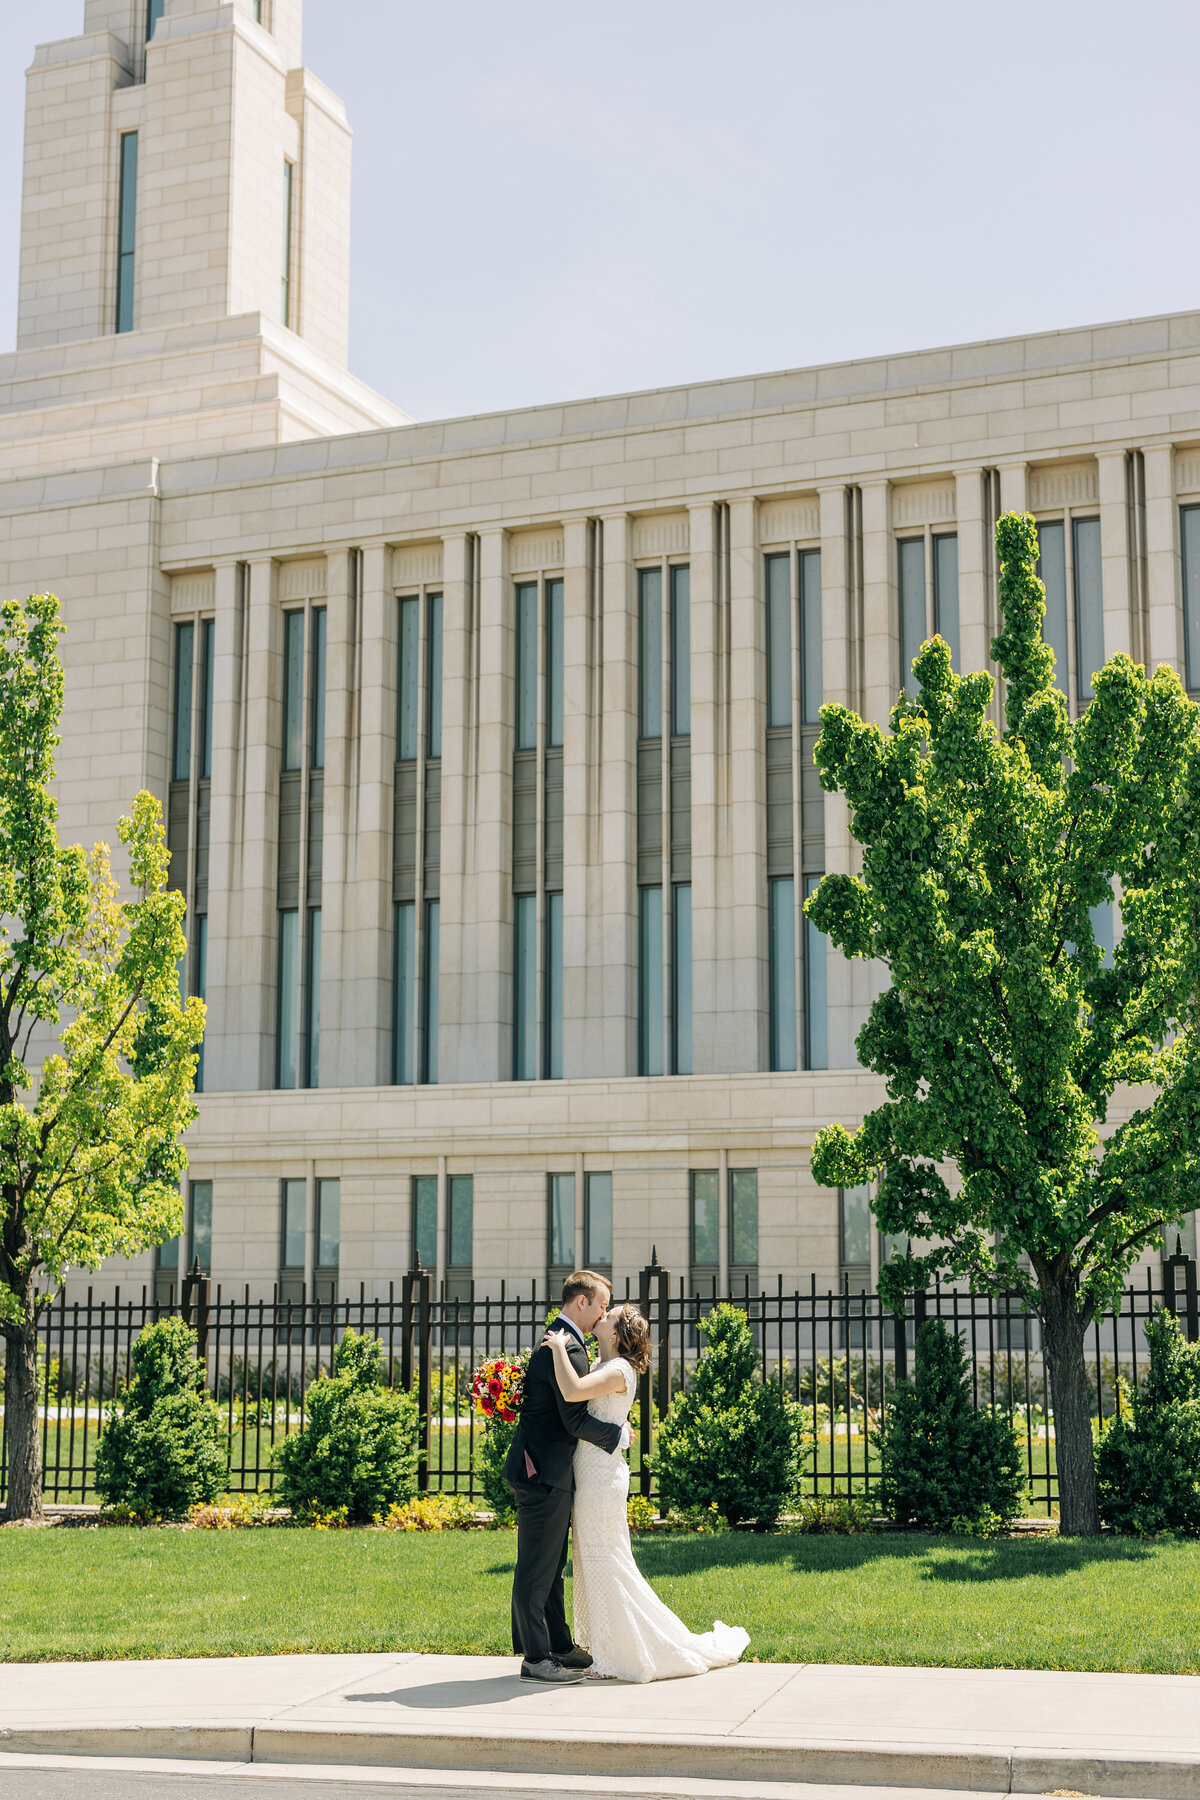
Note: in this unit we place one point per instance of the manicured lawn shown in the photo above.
(1054, 1604)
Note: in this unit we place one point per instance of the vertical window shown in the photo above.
(406, 748)
(681, 650)
(945, 593)
(207, 636)
(525, 990)
(562, 1225)
(404, 989)
(424, 1220)
(258, 12)
(181, 757)
(705, 1221)
(289, 985)
(743, 1222)
(329, 1225)
(812, 692)
(782, 926)
(295, 1225)
(200, 1245)
(1089, 606)
(854, 1230)
(527, 596)
(317, 748)
(312, 1001)
(1103, 926)
(779, 641)
(554, 663)
(816, 1006)
(429, 1032)
(650, 653)
(126, 229)
(433, 714)
(293, 689)
(650, 983)
(460, 1222)
(681, 979)
(911, 553)
(154, 12)
(1189, 531)
(1052, 568)
(285, 287)
(598, 1232)
(554, 986)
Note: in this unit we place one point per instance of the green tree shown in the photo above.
(90, 1158)
(1005, 1031)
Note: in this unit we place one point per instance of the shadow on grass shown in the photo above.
(945, 1558)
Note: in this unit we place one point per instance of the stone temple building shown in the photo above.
(486, 744)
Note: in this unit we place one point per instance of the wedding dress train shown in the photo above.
(618, 1616)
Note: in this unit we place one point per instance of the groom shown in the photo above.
(540, 1471)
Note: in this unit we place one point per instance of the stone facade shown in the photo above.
(190, 470)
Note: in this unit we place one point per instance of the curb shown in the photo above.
(1136, 1776)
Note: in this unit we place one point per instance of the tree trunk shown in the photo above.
(1079, 1512)
(21, 1411)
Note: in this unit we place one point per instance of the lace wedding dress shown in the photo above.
(618, 1616)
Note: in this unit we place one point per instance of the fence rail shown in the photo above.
(839, 1354)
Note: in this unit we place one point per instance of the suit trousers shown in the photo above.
(539, 1614)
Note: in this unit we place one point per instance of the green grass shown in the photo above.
(1053, 1603)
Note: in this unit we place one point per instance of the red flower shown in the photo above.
(507, 1414)
(488, 1406)
(494, 1386)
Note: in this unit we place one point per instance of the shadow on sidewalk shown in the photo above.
(448, 1696)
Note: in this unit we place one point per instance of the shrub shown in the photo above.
(432, 1512)
(1148, 1460)
(357, 1452)
(162, 1449)
(822, 1515)
(491, 1448)
(729, 1441)
(697, 1521)
(641, 1513)
(234, 1512)
(942, 1460)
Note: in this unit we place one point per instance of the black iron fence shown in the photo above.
(839, 1354)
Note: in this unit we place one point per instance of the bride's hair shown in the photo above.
(633, 1338)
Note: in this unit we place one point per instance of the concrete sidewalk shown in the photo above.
(988, 1731)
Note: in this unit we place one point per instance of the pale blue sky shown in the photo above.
(555, 200)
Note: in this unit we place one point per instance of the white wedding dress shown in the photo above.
(618, 1616)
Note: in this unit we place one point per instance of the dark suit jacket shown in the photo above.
(549, 1425)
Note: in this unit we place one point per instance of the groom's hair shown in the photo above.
(585, 1281)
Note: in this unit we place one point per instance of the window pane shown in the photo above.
(855, 1209)
(779, 640)
(650, 652)
(912, 606)
(461, 1233)
(1189, 519)
(317, 750)
(816, 1008)
(202, 1225)
(207, 636)
(599, 1221)
(406, 987)
(429, 1031)
(562, 1221)
(312, 991)
(1089, 606)
(293, 688)
(681, 979)
(554, 986)
(812, 687)
(295, 1209)
(681, 651)
(1052, 571)
(434, 715)
(554, 662)
(945, 593)
(200, 929)
(743, 1218)
(525, 989)
(406, 735)
(167, 1256)
(783, 973)
(650, 982)
(329, 1223)
(154, 12)
(126, 229)
(289, 983)
(705, 1219)
(527, 665)
(181, 760)
(285, 282)
(1102, 923)
(424, 1196)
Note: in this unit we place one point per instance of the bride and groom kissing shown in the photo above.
(567, 1472)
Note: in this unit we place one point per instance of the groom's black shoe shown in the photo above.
(550, 1670)
(574, 1658)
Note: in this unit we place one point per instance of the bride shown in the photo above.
(632, 1636)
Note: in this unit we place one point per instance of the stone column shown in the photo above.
(710, 807)
(836, 666)
(337, 899)
(1163, 563)
(227, 761)
(742, 971)
(366, 984)
(612, 986)
(1114, 554)
(582, 918)
(881, 626)
(1014, 487)
(460, 642)
(974, 635)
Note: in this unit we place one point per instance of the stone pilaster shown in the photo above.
(1163, 563)
(253, 943)
(227, 764)
(612, 989)
(367, 914)
(1114, 554)
(338, 1033)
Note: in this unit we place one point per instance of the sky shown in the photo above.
(554, 200)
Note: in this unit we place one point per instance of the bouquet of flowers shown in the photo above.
(497, 1387)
